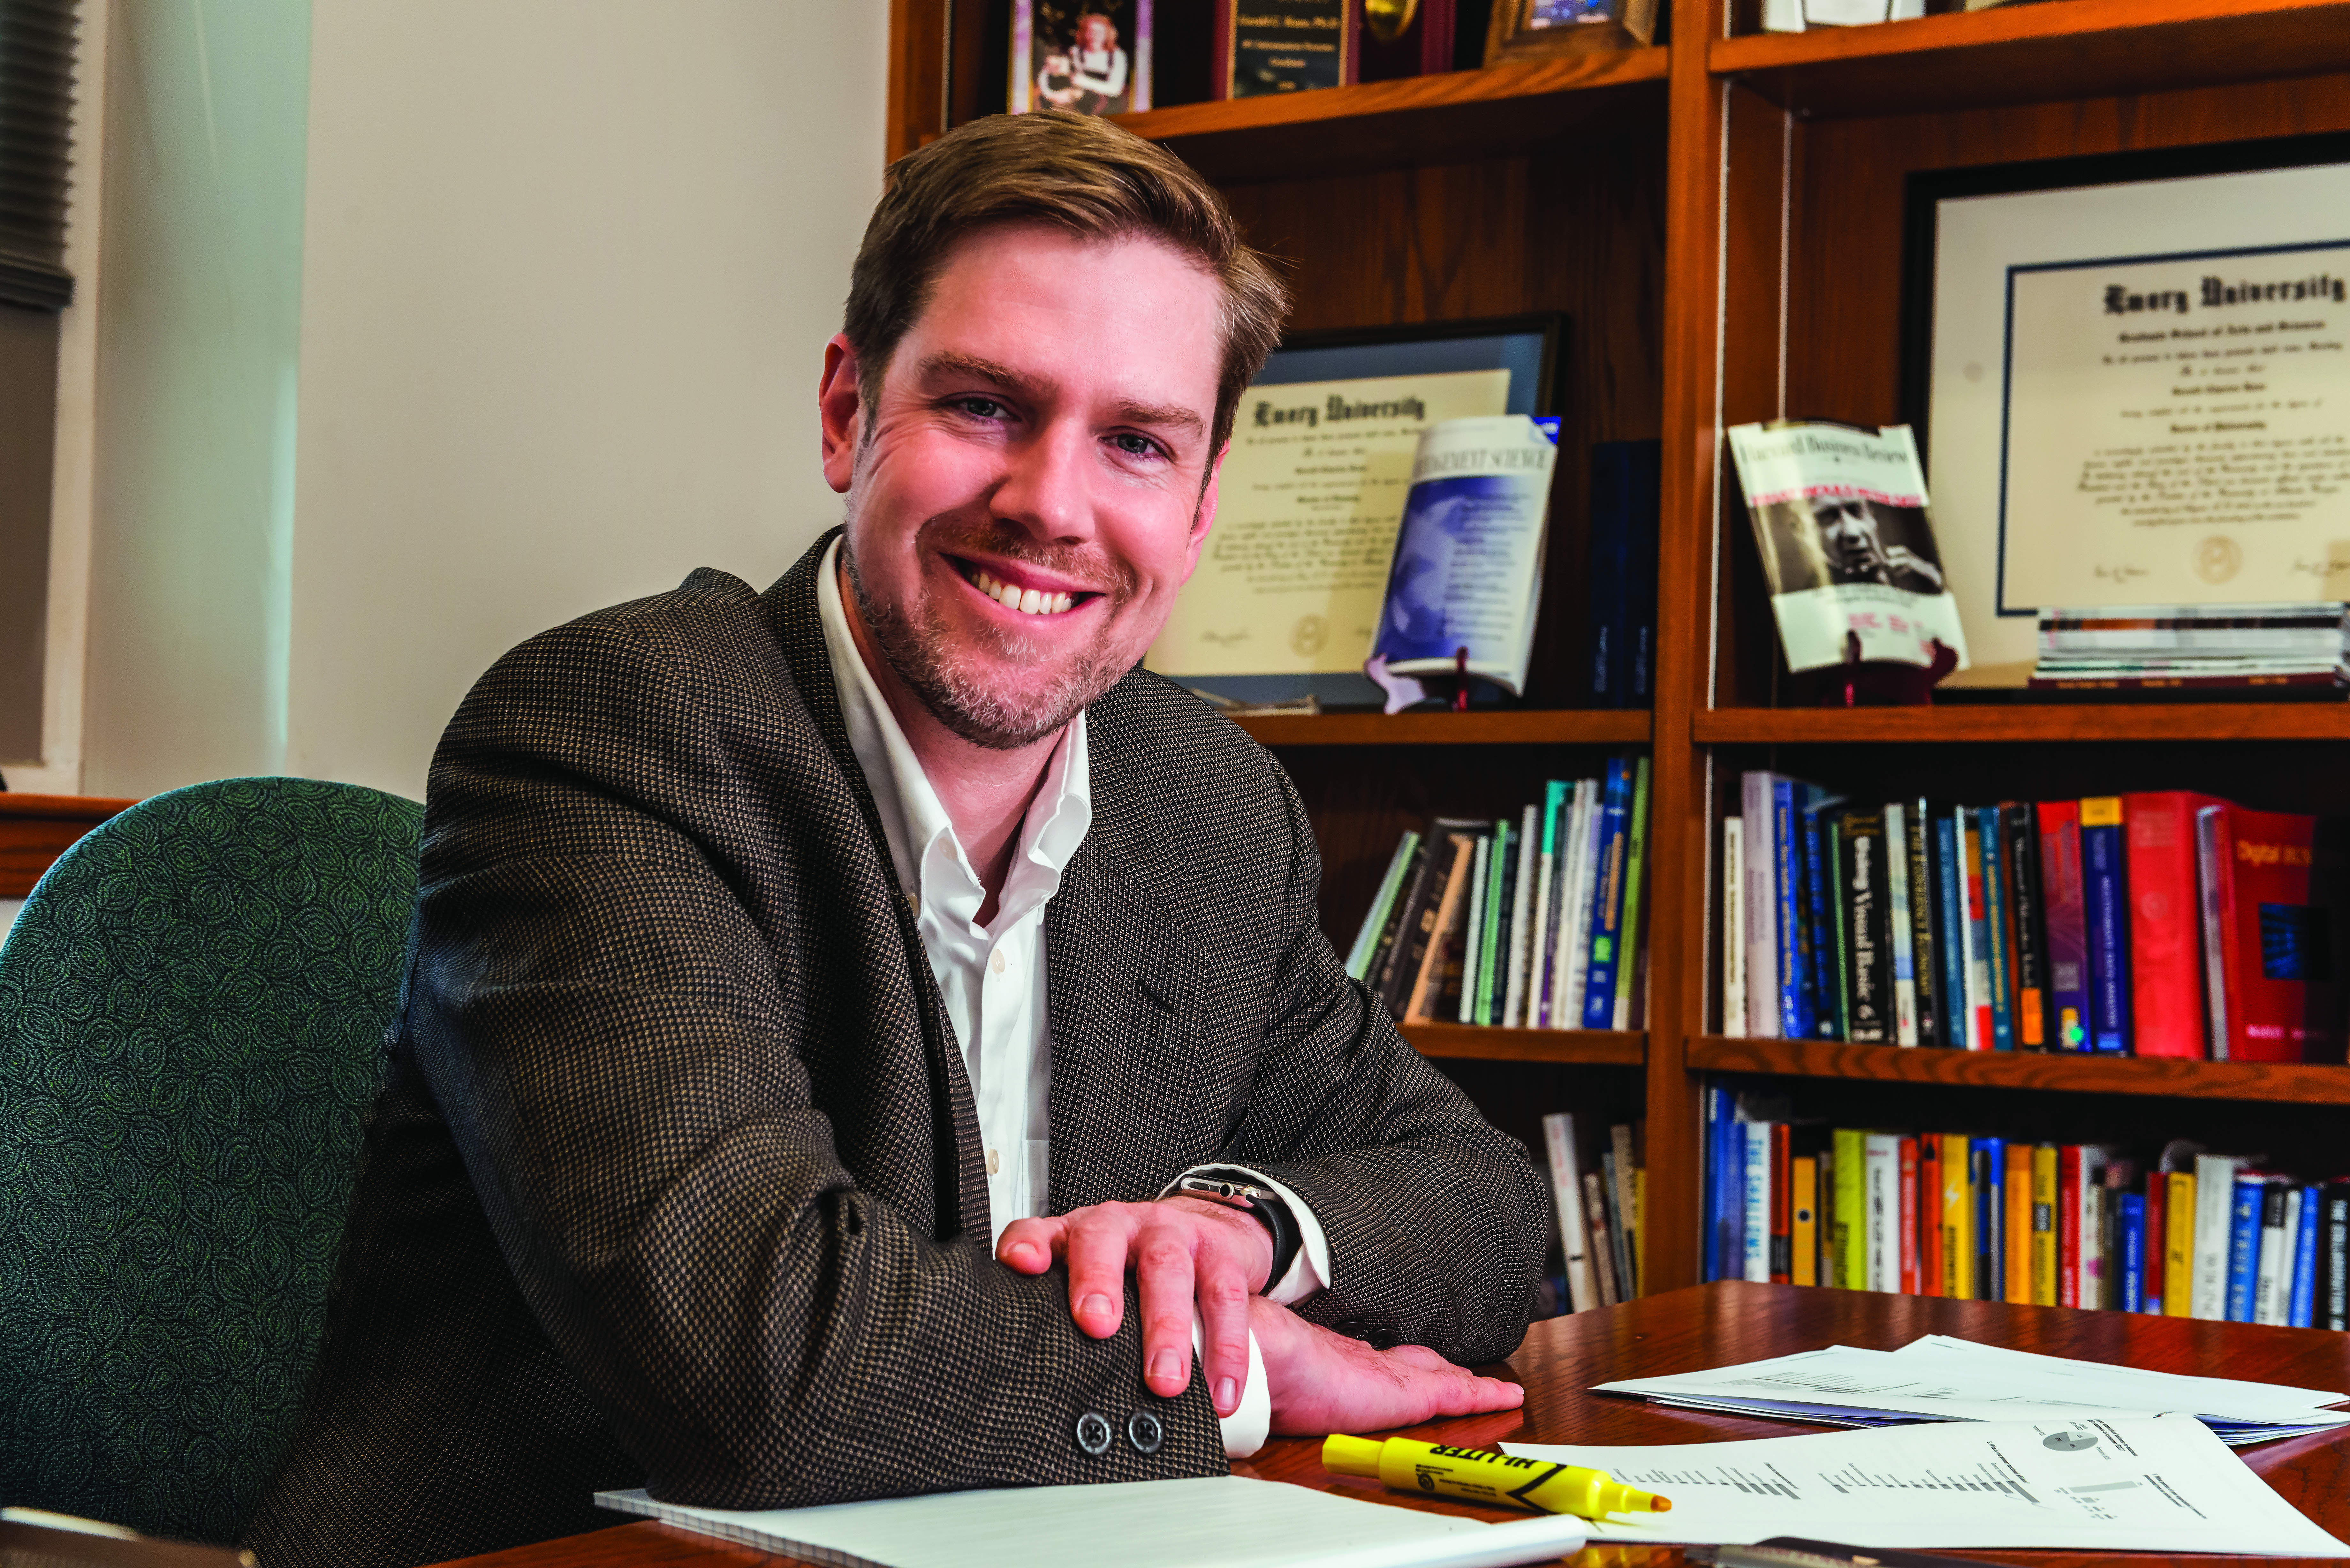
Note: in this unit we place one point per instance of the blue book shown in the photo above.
(2105, 894)
(1787, 876)
(1607, 919)
(1725, 1186)
(2302, 1304)
(1988, 1155)
(1624, 487)
(2244, 1246)
(2133, 1252)
(1820, 979)
(1950, 913)
(1996, 920)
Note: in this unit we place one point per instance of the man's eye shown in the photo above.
(1134, 445)
(981, 407)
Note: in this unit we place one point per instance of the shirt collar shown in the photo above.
(923, 850)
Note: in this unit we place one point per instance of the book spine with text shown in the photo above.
(1881, 1212)
(2216, 902)
(1481, 861)
(1803, 1222)
(2302, 1295)
(1925, 902)
(2337, 1265)
(1868, 971)
(1762, 902)
(2179, 1207)
(1848, 1240)
(1733, 928)
(2105, 896)
(2016, 1187)
(2064, 905)
(2068, 1225)
(1756, 1232)
(1603, 1254)
(1898, 931)
(2021, 842)
(1539, 908)
(1950, 941)
(1782, 1202)
(1976, 932)
(2272, 1263)
(2167, 1016)
(1958, 1218)
(1786, 885)
(1904, 1226)
(1930, 1215)
(2215, 1199)
(1566, 1202)
(1819, 882)
(1374, 923)
(1629, 947)
(1605, 945)
(2244, 1246)
(2133, 1252)
(1998, 930)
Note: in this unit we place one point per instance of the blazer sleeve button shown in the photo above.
(1144, 1431)
(1094, 1433)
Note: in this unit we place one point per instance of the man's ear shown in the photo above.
(840, 409)
(1205, 518)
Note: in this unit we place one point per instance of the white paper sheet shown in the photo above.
(1207, 1522)
(1937, 1379)
(2157, 1484)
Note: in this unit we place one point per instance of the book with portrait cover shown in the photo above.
(1466, 577)
(1839, 515)
(2272, 935)
(1092, 57)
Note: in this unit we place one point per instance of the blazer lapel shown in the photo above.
(792, 611)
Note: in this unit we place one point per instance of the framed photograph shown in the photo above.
(1286, 597)
(1091, 56)
(1544, 29)
(2130, 374)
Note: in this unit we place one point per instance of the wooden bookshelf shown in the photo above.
(1720, 221)
(2055, 721)
(2037, 54)
(1564, 1047)
(1516, 727)
(2294, 1082)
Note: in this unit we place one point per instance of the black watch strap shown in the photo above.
(1246, 1191)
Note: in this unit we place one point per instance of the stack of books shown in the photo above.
(1597, 1204)
(2198, 650)
(2163, 923)
(2184, 1233)
(1530, 924)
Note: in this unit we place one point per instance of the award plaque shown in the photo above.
(1268, 46)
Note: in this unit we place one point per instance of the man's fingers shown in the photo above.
(1095, 1246)
(1030, 1245)
(1163, 1279)
(1224, 1296)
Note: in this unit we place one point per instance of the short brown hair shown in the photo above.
(1076, 172)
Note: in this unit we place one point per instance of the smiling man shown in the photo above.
(870, 1037)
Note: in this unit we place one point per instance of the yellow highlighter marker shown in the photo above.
(1476, 1476)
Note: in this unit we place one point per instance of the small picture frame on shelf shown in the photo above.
(1089, 56)
(1545, 29)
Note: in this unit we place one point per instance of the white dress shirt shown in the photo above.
(992, 977)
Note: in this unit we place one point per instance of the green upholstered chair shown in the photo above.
(193, 1007)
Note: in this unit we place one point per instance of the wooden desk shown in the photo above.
(35, 829)
(1714, 1326)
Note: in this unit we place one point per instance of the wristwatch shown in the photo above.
(1240, 1190)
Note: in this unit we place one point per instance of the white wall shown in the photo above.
(567, 270)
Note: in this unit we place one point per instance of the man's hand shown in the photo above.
(1183, 1249)
(1323, 1382)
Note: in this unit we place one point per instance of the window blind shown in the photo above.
(36, 88)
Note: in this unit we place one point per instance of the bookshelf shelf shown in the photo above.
(1588, 1047)
(2011, 723)
(2291, 1082)
(1418, 119)
(1519, 727)
(2024, 54)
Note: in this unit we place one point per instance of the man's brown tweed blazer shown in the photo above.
(677, 1181)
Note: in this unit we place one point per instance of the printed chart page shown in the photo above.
(2157, 1484)
(1940, 1378)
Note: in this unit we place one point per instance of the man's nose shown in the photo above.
(1045, 482)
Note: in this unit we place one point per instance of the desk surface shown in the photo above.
(1716, 1326)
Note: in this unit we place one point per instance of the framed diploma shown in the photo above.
(2132, 374)
(1286, 597)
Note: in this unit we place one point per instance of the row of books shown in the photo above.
(1597, 1204)
(1532, 924)
(2194, 648)
(2159, 924)
(2187, 1235)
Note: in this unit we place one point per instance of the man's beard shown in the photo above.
(927, 660)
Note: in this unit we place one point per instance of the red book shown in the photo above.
(2064, 908)
(2166, 952)
(1930, 1216)
(2068, 1225)
(1908, 1216)
(2271, 993)
(2156, 1239)
(1783, 1206)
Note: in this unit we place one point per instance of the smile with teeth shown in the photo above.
(1027, 602)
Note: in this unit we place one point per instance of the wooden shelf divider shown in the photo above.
(2294, 1082)
(1513, 727)
(35, 829)
(2029, 54)
(1472, 1041)
(2022, 722)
